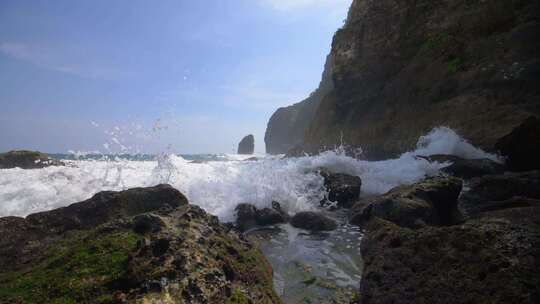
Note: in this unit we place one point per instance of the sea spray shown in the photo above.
(443, 140)
(218, 186)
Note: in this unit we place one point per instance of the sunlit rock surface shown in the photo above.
(144, 245)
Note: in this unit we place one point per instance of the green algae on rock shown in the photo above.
(83, 266)
(189, 257)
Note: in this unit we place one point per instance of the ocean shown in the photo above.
(219, 182)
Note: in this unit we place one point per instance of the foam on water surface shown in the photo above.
(218, 186)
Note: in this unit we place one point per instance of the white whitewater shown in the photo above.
(218, 186)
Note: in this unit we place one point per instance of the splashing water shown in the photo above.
(443, 140)
(218, 186)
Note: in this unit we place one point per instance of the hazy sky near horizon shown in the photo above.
(149, 76)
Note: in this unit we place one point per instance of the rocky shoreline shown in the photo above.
(143, 245)
(472, 239)
(397, 69)
(468, 235)
(486, 251)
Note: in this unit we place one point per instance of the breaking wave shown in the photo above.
(221, 182)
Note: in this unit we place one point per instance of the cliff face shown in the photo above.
(403, 67)
(288, 125)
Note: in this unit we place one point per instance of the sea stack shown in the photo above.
(246, 145)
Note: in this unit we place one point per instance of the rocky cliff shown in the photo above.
(288, 125)
(404, 67)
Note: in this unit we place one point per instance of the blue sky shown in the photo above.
(150, 76)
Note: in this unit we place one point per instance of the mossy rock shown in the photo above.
(191, 258)
(82, 268)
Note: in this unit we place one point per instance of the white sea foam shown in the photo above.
(218, 186)
(443, 140)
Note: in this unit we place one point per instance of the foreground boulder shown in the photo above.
(247, 145)
(490, 260)
(500, 191)
(145, 245)
(466, 168)
(522, 146)
(271, 216)
(314, 221)
(432, 201)
(342, 188)
(107, 206)
(491, 256)
(26, 160)
(248, 216)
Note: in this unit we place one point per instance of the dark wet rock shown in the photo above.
(342, 188)
(493, 259)
(467, 168)
(26, 160)
(277, 206)
(247, 145)
(146, 223)
(315, 221)
(107, 206)
(432, 201)
(491, 190)
(191, 258)
(269, 216)
(246, 216)
(514, 202)
(489, 257)
(521, 147)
